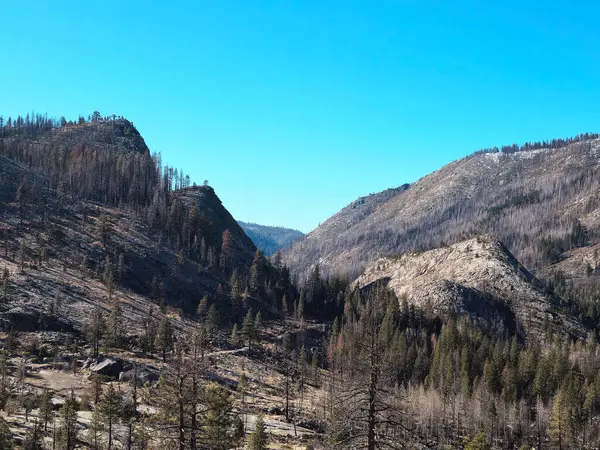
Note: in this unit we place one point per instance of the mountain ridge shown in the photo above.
(540, 203)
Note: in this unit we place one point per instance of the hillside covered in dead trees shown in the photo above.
(137, 314)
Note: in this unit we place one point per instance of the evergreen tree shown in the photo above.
(235, 340)
(248, 327)
(234, 284)
(46, 407)
(95, 430)
(256, 271)
(66, 436)
(258, 439)
(95, 329)
(238, 431)
(20, 199)
(164, 337)
(218, 419)
(22, 257)
(258, 325)
(5, 283)
(114, 328)
(479, 442)
(227, 251)
(148, 337)
(212, 319)
(121, 266)
(110, 409)
(34, 438)
(108, 277)
(300, 309)
(93, 392)
(6, 441)
(104, 230)
(559, 428)
(202, 309)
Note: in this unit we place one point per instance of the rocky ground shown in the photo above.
(265, 385)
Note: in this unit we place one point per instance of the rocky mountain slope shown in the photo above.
(539, 203)
(478, 277)
(69, 230)
(270, 239)
(96, 235)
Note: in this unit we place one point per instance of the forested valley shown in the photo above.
(137, 314)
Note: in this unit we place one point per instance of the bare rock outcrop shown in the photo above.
(478, 277)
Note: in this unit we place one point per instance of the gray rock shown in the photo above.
(87, 363)
(143, 376)
(275, 411)
(108, 367)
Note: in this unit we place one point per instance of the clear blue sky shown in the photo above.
(292, 109)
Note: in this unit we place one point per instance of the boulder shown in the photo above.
(107, 367)
(143, 376)
(275, 411)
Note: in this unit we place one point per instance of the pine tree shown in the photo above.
(256, 271)
(179, 393)
(95, 430)
(93, 392)
(202, 309)
(164, 337)
(242, 391)
(559, 426)
(95, 329)
(148, 337)
(22, 256)
(110, 409)
(227, 251)
(212, 319)
(218, 418)
(479, 442)
(235, 286)
(34, 438)
(235, 340)
(104, 230)
(6, 441)
(46, 407)
(108, 277)
(114, 327)
(20, 199)
(258, 439)
(5, 283)
(43, 256)
(142, 436)
(300, 309)
(238, 431)
(248, 327)
(258, 325)
(314, 364)
(66, 435)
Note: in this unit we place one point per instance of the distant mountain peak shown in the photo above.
(270, 239)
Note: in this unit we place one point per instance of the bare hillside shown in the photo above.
(540, 203)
